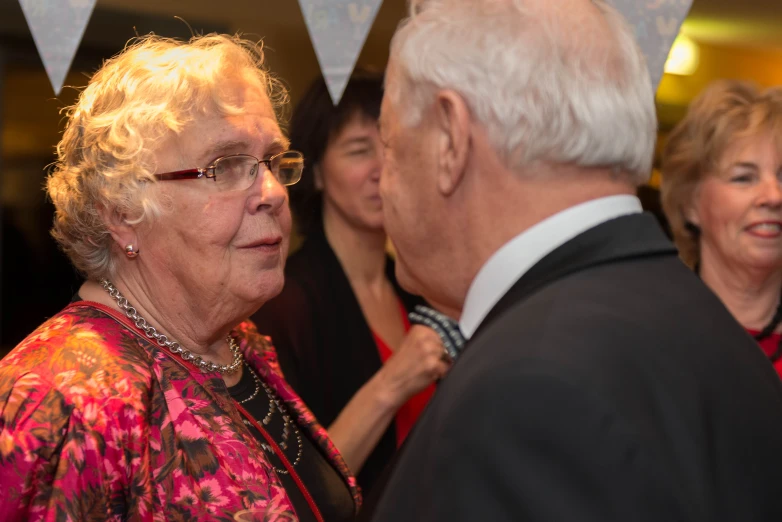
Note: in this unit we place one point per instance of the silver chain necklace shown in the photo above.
(173, 346)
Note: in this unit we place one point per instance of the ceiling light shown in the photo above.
(684, 57)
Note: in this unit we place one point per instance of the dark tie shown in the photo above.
(444, 326)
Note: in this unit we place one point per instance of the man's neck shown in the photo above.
(512, 203)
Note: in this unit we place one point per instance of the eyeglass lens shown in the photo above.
(239, 172)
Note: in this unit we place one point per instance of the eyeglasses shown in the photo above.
(238, 171)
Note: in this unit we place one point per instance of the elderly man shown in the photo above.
(601, 381)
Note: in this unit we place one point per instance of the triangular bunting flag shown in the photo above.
(338, 29)
(57, 27)
(656, 24)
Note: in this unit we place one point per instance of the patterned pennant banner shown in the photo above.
(656, 24)
(338, 29)
(57, 27)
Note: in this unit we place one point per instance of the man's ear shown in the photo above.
(453, 123)
(123, 233)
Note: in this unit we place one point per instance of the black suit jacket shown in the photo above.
(609, 384)
(324, 344)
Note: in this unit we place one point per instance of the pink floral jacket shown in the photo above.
(98, 423)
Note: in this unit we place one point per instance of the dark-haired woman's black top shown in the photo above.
(324, 344)
(323, 482)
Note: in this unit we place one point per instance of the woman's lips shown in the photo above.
(266, 244)
(765, 229)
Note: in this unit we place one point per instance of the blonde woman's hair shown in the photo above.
(725, 112)
(154, 87)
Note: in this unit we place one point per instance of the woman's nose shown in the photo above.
(269, 194)
(771, 192)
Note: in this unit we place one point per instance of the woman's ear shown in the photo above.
(691, 210)
(691, 216)
(123, 234)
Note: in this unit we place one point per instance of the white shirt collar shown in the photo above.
(517, 256)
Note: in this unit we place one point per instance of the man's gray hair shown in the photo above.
(544, 89)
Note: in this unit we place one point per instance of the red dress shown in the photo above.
(769, 346)
(409, 412)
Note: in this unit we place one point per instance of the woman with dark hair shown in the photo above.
(340, 325)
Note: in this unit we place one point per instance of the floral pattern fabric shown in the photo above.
(98, 423)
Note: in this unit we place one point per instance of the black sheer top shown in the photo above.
(324, 483)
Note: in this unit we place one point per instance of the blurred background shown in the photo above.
(719, 39)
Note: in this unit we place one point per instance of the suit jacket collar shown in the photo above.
(626, 237)
(517, 256)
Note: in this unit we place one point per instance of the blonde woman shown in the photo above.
(722, 193)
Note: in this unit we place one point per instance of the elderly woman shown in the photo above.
(147, 397)
(722, 193)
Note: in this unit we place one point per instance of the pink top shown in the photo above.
(98, 423)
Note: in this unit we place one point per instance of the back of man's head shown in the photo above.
(554, 81)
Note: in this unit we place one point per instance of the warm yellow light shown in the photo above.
(683, 58)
